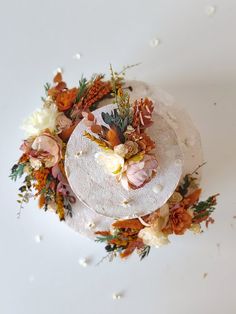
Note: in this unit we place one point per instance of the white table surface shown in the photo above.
(195, 62)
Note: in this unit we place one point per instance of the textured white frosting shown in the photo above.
(85, 220)
(102, 192)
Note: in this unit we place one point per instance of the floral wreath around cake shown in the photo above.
(125, 152)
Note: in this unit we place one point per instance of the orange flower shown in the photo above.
(179, 221)
(143, 140)
(113, 137)
(66, 99)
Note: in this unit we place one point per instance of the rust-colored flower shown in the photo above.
(179, 221)
(144, 141)
(66, 99)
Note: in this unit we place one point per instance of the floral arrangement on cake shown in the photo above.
(182, 212)
(126, 147)
(126, 152)
(48, 130)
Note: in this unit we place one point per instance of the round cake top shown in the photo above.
(103, 193)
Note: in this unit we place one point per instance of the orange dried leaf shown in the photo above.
(128, 223)
(113, 138)
(194, 197)
(41, 201)
(57, 78)
(103, 233)
(136, 244)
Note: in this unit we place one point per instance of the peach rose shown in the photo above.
(47, 149)
(62, 122)
(141, 172)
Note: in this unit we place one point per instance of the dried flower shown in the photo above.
(179, 220)
(96, 92)
(47, 149)
(142, 114)
(66, 99)
(141, 172)
(154, 235)
(35, 163)
(112, 162)
(175, 198)
(40, 120)
(91, 122)
(62, 122)
(132, 149)
(121, 150)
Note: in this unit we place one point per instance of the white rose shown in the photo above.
(152, 237)
(42, 119)
(112, 162)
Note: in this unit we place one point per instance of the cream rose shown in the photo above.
(153, 235)
(42, 119)
(153, 238)
(111, 162)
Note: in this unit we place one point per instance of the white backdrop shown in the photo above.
(195, 62)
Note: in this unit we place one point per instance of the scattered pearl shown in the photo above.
(83, 262)
(80, 153)
(126, 203)
(157, 188)
(205, 275)
(38, 238)
(116, 296)
(91, 225)
(210, 10)
(154, 42)
(77, 56)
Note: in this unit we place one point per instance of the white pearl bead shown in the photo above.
(154, 42)
(157, 188)
(77, 56)
(210, 10)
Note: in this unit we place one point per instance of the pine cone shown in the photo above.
(142, 116)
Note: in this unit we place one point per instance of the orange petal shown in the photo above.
(57, 78)
(128, 223)
(41, 201)
(194, 197)
(136, 244)
(113, 138)
(103, 233)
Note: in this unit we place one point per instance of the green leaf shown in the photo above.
(82, 88)
(17, 171)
